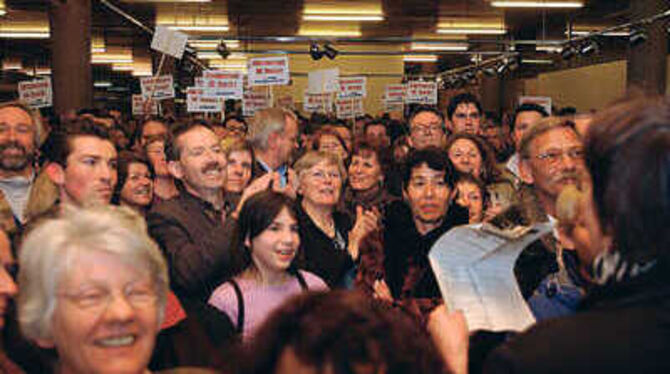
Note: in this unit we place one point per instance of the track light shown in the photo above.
(469, 76)
(222, 49)
(315, 51)
(330, 51)
(490, 71)
(512, 63)
(589, 48)
(637, 37)
(501, 69)
(568, 52)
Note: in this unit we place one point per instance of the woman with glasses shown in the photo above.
(329, 239)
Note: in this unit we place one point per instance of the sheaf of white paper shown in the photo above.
(169, 41)
(475, 273)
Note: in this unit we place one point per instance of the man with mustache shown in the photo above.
(24, 191)
(191, 228)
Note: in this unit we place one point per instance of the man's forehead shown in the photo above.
(466, 107)
(425, 117)
(92, 145)
(198, 135)
(424, 171)
(556, 138)
(527, 116)
(15, 113)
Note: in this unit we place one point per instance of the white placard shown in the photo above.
(393, 107)
(352, 87)
(36, 93)
(168, 41)
(420, 92)
(394, 93)
(164, 87)
(542, 101)
(318, 103)
(255, 101)
(349, 108)
(225, 84)
(475, 272)
(138, 106)
(323, 81)
(199, 100)
(268, 71)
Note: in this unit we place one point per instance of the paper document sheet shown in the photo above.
(475, 272)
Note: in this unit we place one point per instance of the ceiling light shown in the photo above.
(212, 44)
(537, 4)
(501, 69)
(551, 48)
(215, 56)
(589, 48)
(472, 31)
(220, 28)
(3, 12)
(512, 63)
(637, 37)
(419, 58)
(25, 35)
(568, 52)
(222, 50)
(315, 52)
(102, 84)
(341, 17)
(537, 61)
(122, 67)
(489, 71)
(312, 31)
(330, 51)
(587, 32)
(439, 46)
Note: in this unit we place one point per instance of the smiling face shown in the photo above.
(138, 188)
(17, 140)
(321, 184)
(106, 316)
(466, 158)
(330, 144)
(156, 155)
(365, 171)
(273, 250)
(238, 171)
(427, 194)
(202, 163)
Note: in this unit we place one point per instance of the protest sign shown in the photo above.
(268, 71)
(420, 92)
(323, 81)
(224, 84)
(349, 108)
(318, 103)
(394, 93)
(199, 100)
(352, 87)
(162, 87)
(254, 101)
(168, 41)
(138, 106)
(36, 93)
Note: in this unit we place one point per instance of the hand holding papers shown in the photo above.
(474, 269)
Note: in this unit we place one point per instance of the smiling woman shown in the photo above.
(94, 287)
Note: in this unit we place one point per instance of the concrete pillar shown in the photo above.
(647, 62)
(70, 23)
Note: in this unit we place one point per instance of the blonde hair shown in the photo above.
(49, 250)
(266, 122)
(311, 158)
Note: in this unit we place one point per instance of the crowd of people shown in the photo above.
(285, 244)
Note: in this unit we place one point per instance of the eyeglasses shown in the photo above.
(97, 299)
(322, 175)
(427, 129)
(554, 156)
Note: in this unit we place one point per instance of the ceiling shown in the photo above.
(403, 21)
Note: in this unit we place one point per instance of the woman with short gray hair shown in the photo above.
(93, 286)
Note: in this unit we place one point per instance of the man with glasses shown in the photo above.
(465, 112)
(426, 128)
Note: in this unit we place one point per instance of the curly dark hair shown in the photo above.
(490, 172)
(343, 330)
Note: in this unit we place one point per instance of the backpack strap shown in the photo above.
(240, 306)
(301, 280)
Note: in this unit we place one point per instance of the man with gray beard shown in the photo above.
(23, 194)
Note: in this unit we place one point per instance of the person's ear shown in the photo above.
(176, 169)
(56, 173)
(247, 242)
(525, 171)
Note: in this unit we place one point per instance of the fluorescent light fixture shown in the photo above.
(212, 44)
(217, 56)
(122, 67)
(419, 58)
(549, 48)
(102, 84)
(102, 59)
(24, 35)
(342, 17)
(587, 32)
(439, 46)
(3, 12)
(10, 63)
(537, 61)
(472, 31)
(227, 66)
(142, 73)
(317, 32)
(537, 4)
(210, 28)
(98, 49)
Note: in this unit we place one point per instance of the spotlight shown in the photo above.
(512, 63)
(637, 37)
(315, 52)
(490, 71)
(589, 48)
(568, 52)
(469, 76)
(501, 69)
(330, 51)
(222, 49)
